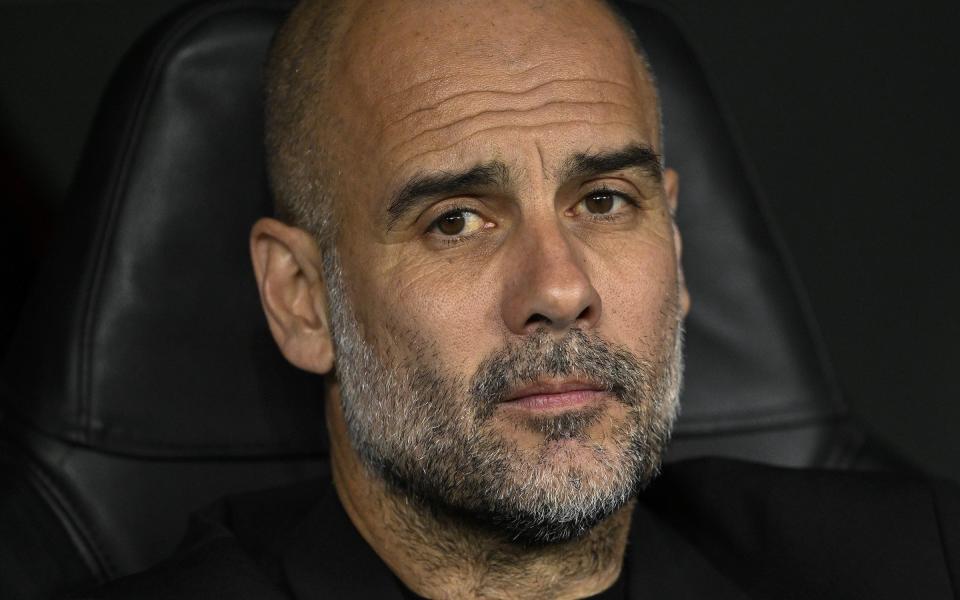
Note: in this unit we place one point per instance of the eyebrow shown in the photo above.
(424, 187)
(633, 156)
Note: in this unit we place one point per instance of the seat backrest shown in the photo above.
(143, 381)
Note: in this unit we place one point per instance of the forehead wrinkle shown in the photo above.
(534, 88)
(441, 78)
(502, 111)
(543, 163)
(442, 149)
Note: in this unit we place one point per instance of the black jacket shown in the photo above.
(707, 528)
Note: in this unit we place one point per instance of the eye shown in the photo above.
(604, 202)
(599, 202)
(457, 222)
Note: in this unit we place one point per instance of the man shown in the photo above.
(501, 197)
(476, 243)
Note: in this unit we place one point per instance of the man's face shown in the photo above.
(505, 290)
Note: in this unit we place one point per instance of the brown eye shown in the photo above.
(599, 203)
(451, 224)
(460, 222)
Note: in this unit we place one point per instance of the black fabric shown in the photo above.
(817, 534)
(707, 528)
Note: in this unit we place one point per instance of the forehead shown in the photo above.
(432, 83)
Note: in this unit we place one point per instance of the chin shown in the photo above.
(570, 505)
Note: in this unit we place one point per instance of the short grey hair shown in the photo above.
(296, 122)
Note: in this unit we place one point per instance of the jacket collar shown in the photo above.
(328, 558)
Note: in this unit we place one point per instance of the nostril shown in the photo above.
(585, 314)
(537, 319)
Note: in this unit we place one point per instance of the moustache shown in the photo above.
(577, 354)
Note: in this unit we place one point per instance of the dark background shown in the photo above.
(847, 112)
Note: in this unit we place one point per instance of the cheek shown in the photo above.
(639, 294)
(453, 311)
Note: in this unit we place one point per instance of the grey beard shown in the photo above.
(427, 434)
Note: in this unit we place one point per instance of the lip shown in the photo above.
(555, 395)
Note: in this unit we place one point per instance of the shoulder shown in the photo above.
(216, 569)
(867, 534)
(733, 485)
(230, 550)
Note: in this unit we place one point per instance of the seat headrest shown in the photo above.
(145, 334)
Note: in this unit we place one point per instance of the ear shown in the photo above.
(671, 188)
(288, 267)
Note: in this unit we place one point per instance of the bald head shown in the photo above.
(347, 79)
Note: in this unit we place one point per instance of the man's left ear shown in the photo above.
(288, 267)
(671, 188)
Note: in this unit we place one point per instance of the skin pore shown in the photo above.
(500, 207)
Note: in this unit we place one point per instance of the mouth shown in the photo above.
(559, 395)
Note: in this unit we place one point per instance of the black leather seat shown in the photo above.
(143, 382)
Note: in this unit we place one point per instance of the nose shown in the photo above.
(548, 285)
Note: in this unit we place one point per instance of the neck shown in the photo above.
(442, 556)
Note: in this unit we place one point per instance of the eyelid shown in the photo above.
(445, 206)
(635, 193)
(449, 210)
(604, 189)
